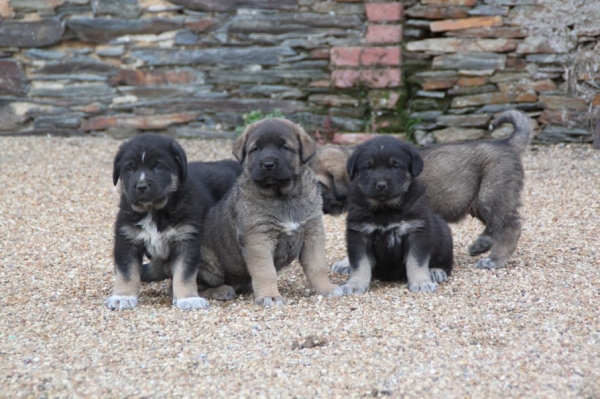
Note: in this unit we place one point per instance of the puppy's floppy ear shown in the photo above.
(308, 146)
(117, 166)
(239, 145)
(179, 154)
(351, 165)
(416, 162)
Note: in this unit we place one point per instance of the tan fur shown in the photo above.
(255, 231)
(128, 286)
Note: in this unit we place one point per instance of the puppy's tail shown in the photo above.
(523, 128)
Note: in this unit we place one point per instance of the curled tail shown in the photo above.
(523, 128)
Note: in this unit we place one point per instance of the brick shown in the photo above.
(11, 78)
(384, 56)
(141, 122)
(201, 25)
(380, 34)
(384, 12)
(345, 56)
(139, 77)
(465, 23)
(374, 78)
(596, 99)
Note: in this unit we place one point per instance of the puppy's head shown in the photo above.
(383, 169)
(150, 168)
(329, 166)
(274, 152)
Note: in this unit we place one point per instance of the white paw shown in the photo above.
(486, 263)
(336, 291)
(428, 286)
(121, 302)
(269, 301)
(341, 267)
(355, 288)
(191, 303)
(438, 275)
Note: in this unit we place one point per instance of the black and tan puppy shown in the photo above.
(163, 204)
(269, 218)
(483, 179)
(391, 232)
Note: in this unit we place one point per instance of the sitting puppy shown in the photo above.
(391, 231)
(270, 217)
(163, 204)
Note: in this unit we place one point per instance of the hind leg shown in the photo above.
(505, 236)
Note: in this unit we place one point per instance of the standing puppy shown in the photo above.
(160, 215)
(391, 231)
(269, 218)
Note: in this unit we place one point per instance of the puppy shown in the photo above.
(483, 179)
(163, 204)
(329, 166)
(270, 217)
(391, 231)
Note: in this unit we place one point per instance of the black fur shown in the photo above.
(389, 214)
(198, 187)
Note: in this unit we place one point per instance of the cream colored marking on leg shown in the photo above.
(258, 254)
(185, 291)
(126, 291)
(419, 278)
(314, 260)
(360, 278)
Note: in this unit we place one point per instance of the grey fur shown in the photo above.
(255, 231)
(480, 178)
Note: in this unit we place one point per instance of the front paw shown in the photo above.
(355, 288)
(486, 263)
(268, 301)
(121, 302)
(191, 303)
(333, 291)
(438, 275)
(341, 267)
(428, 286)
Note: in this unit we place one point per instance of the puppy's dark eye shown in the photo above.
(158, 167)
(322, 186)
(129, 169)
(368, 166)
(396, 165)
(286, 147)
(254, 149)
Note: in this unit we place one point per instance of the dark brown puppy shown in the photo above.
(163, 204)
(269, 218)
(481, 178)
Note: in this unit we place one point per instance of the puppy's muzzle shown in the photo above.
(381, 185)
(142, 187)
(268, 164)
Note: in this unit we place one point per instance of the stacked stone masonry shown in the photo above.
(193, 68)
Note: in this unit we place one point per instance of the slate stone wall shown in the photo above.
(192, 68)
(468, 60)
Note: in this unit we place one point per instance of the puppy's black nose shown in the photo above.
(141, 187)
(268, 165)
(381, 185)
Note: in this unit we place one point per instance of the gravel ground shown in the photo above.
(529, 330)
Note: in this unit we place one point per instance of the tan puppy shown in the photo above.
(270, 217)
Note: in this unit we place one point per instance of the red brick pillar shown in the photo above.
(375, 64)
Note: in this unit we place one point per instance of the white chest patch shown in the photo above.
(395, 230)
(290, 227)
(156, 242)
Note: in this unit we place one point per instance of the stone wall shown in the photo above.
(193, 68)
(468, 60)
